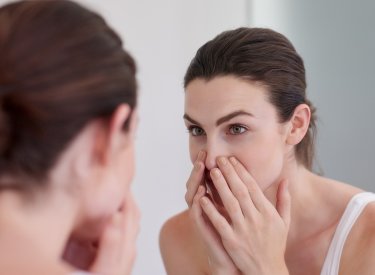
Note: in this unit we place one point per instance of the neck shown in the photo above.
(308, 197)
(40, 225)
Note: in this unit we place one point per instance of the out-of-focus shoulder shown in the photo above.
(176, 230)
(181, 250)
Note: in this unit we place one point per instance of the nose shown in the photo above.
(210, 160)
(214, 149)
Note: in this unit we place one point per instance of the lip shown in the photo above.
(211, 189)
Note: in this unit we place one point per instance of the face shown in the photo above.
(109, 184)
(228, 116)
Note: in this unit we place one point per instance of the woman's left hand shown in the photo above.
(115, 251)
(255, 235)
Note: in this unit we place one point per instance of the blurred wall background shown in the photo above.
(163, 36)
(335, 39)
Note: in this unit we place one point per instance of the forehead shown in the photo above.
(225, 94)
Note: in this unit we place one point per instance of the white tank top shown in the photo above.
(353, 210)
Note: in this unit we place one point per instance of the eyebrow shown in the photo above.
(222, 119)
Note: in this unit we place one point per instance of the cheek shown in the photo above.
(128, 167)
(264, 160)
(97, 210)
(111, 188)
(110, 197)
(91, 229)
(124, 169)
(194, 148)
(115, 185)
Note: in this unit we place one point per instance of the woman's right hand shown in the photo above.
(196, 178)
(117, 246)
(219, 261)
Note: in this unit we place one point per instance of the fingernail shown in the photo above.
(215, 172)
(200, 155)
(204, 201)
(222, 161)
(233, 160)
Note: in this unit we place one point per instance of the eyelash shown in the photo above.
(191, 129)
(245, 129)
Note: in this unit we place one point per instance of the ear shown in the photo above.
(133, 123)
(110, 140)
(299, 124)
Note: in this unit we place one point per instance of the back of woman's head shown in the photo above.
(61, 67)
(265, 56)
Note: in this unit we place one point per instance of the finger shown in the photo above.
(259, 200)
(195, 179)
(237, 186)
(283, 204)
(218, 221)
(117, 246)
(131, 217)
(230, 202)
(195, 208)
(201, 155)
(209, 236)
(109, 252)
(199, 220)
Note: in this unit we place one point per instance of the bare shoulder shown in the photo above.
(175, 232)
(181, 250)
(359, 250)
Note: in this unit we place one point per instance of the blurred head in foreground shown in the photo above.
(67, 111)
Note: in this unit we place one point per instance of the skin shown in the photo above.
(266, 213)
(90, 221)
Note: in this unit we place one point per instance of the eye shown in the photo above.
(196, 131)
(237, 129)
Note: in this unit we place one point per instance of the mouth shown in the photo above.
(208, 179)
(211, 189)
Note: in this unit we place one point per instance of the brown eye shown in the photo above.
(237, 130)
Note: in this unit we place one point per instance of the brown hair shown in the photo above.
(260, 55)
(61, 66)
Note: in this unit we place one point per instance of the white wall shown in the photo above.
(334, 38)
(337, 42)
(163, 36)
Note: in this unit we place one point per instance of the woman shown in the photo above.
(67, 112)
(255, 206)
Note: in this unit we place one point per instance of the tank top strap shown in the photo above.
(353, 210)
